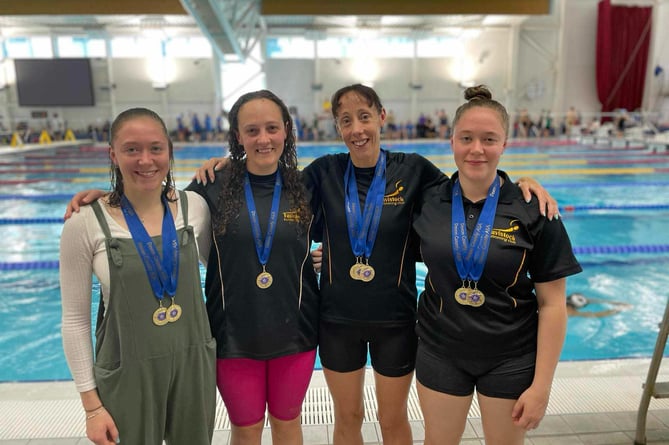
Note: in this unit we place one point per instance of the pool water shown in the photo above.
(615, 205)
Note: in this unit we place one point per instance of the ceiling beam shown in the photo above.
(404, 7)
(89, 7)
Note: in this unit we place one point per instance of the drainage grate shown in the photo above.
(33, 419)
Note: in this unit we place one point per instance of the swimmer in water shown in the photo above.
(576, 302)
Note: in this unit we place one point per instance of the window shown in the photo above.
(69, 46)
(191, 47)
(24, 47)
(290, 48)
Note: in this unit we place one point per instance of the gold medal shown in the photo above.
(462, 295)
(354, 272)
(160, 316)
(173, 312)
(264, 280)
(475, 298)
(367, 273)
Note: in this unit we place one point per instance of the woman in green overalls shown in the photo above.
(152, 377)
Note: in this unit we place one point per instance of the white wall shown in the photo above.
(124, 83)
(579, 56)
(657, 90)
(546, 62)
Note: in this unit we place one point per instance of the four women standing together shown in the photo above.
(263, 301)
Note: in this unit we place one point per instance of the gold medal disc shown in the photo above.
(264, 280)
(462, 295)
(367, 273)
(354, 272)
(173, 312)
(476, 298)
(160, 316)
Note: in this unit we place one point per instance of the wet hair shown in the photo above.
(361, 90)
(116, 177)
(480, 96)
(230, 197)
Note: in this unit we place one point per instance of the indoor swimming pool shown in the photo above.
(614, 203)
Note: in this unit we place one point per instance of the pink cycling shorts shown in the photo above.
(248, 386)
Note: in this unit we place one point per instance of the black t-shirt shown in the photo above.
(525, 248)
(247, 321)
(390, 298)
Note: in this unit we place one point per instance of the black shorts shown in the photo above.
(505, 378)
(343, 348)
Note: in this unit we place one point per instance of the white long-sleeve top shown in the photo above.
(82, 254)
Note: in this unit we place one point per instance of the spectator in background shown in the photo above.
(571, 121)
(391, 126)
(524, 124)
(297, 122)
(208, 131)
(443, 123)
(620, 122)
(222, 125)
(196, 127)
(57, 127)
(408, 130)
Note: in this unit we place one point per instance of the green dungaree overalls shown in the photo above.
(157, 382)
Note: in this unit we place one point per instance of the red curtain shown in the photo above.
(623, 39)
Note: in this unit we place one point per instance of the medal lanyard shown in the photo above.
(263, 248)
(162, 273)
(362, 228)
(470, 255)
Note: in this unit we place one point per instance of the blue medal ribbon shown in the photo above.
(162, 273)
(470, 254)
(363, 226)
(263, 247)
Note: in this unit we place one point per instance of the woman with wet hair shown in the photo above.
(262, 291)
(152, 377)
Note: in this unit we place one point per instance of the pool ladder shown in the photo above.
(652, 388)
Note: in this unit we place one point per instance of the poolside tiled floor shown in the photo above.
(592, 403)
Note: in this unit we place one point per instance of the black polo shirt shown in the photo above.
(247, 321)
(525, 248)
(390, 298)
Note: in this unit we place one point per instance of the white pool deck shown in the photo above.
(592, 402)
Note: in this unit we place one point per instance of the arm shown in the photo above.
(200, 218)
(531, 406)
(592, 314)
(615, 307)
(208, 170)
(529, 187)
(82, 198)
(317, 258)
(100, 427)
(77, 249)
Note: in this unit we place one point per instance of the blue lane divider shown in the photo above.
(550, 185)
(54, 197)
(579, 250)
(651, 248)
(22, 221)
(572, 208)
(29, 265)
